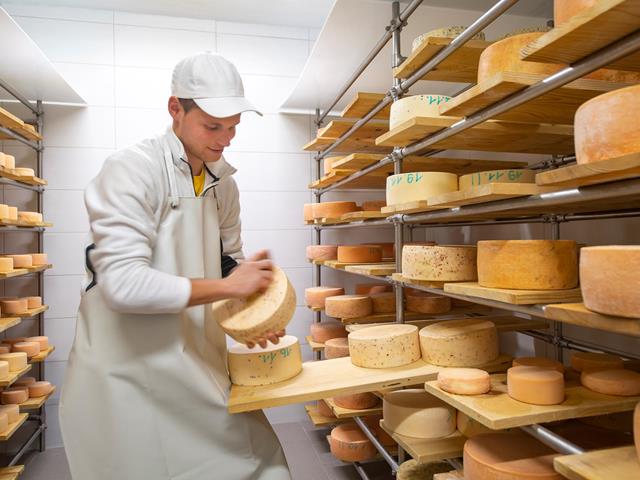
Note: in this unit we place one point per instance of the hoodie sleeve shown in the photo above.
(229, 217)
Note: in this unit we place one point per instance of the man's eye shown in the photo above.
(214, 127)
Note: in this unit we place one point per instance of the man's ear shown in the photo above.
(174, 107)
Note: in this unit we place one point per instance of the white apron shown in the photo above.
(144, 396)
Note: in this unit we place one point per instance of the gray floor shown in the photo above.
(305, 447)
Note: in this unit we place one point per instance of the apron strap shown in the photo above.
(171, 174)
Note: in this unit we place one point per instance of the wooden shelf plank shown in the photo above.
(362, 140)
(13, 427)
(608, 464)
(340, 412)
(366, 215)
(578, 314)
(29, 313)
(412, 207)
(497, 410)
(320, 420)
(515, 297)
(42, 355)
(315, 346)
(591, 30)
(379, 270)
(353, 144)
(391, 317)
(429, 450)
(627, 166)
(363, 103)
(13, 376)
(343, 265)
(489, 192)
(8, 322)
(9, 120)
(337, 128)
(36, 402)
(11, 473)
(28, 180)
(24, 271)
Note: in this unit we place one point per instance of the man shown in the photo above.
(145, 392)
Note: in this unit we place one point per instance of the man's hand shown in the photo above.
(273, 337)
(251, 276)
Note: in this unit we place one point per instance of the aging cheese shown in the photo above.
(417, 414)
(427, 303)
(5, 349)
(18, 306)
(388, 249)
(323, 331)
(373, 205)
(371, 288)
(415, 106)
(39, 389)
(13, 213)
(33, 302)
(24, 172)
(447, 32)
(328, 164)
(541, 362)
(528, 264)
(384, 346)
(535, 385)
(336, 348)
(308, 212)
(6, 264)
(332, 209)
(582, 361)
(14, 396)
(324, 410)
(439, 263)
(30, 348)
(610, 279)
(469, 427)
(265, 366)
(383, 302)
(416, 186)
(621, 382)
(564, 10)
(464, 381)
(24, 381)
(4, 369)
(496, 176)
(412, 470)
(252, 317)
(4, 211)
(350, 444)
(38, 259)
(315, 296)
(359, 254)
(322, 252)
(459, 343)
(30, 217)
(21, 261)
(12, 411)
(348, 306)
(356, 401)
(9, 162)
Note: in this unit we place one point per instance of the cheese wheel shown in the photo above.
(415, 106)
(13, 341)
(582, 361)
(620, 382)
(373, 422)
(308, 212)
(356, 401)
(359, 254)
(33, 302)
(265, 366)
(18, 306)
(5, 349)
(4, 211)
(24, 381)
(11, 411)
(427, 303)
(24, 172)
(6, 264)
(4, 369)
(245, 319)
(535, 385)
(30, 217)
(13, 213)
(496, 176)
(336, 348)
(39, 389)
(388, 249)
(322, 252)
(4, 422)
(315, 296)
(564, 10)
(30, 348)
(21, 261)
(417, 414)
(324, 409)
(540, 362)
(373, 205)
(332, 209)
(636, 429)
(447, 32)
(38, 259)
(349, 444)
(370, 288)
(14, 396)
(459, 343)
(412, 470)
(528, 264)
(416, 186)
(328, 164)
(439, 263)
(508, 455)
(323, 331)
(383, 302)
(384, 346)
(610, 278)
(348, 306)
(9, 162)
(464, 381)
(469, 427)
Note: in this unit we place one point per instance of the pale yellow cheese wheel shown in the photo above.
(332, 209)
(582, 361)
(417, 414)
(349, 444)
(24, 172)
(564, 10)
(535, 385)
(446, 32)
(30, 217)
(4, 211)
(415, 106)
(4, 369)
(619, 382)
(427, 303)
(265, 366)
(464, 381)
(322, 252)
(384, 346)
(359, 254)
(17, 306)
(610, 279)
(14, 396)
(30, 348)
(12, 411)
(12, 212)
(348, 306)
(383, 302)
(416, 186)
(323, 331)
(9, 162)
(6, 264)
(315, 296)
(540, 362)
(247, 319)
(21, 261)
(336, 348)
(39, 389)
(496, 176)
(373, 205)
(439, 263)
(528, 264)
(39, 259)
(33, 302)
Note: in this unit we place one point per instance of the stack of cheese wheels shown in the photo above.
(6, 265)
(384, 346)
(324, 409)
(349, 444)
(464, 381)
(508, 455)
(42, 340)
(348, 306)
(373, 205)
(415, 413)
(417, 186)
(469, 427)
(412, 470)
(359, 253)
(14, 305)
(446, 32)
(14, 395)
(477, 179)
(323, 331)
(336, 348)
(328, 164)
(39, 389)
(415, 106)
(332, 209)
(371, 288)
(459, 343)
(582, 361)
(322, 252)
(564, 10)
(252, 317)
(609, 279)
(535, 385)
(383, 302)
(308, 212)
(540, 362)
(428, 303)
(30, 348)
(620, 382)
(30, 217)
(528, 264)
(356, 401)
(12, 411)
(264, 366)
(439, 263)
(315, 296)
(21, 261)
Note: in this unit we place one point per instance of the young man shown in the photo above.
(145, 392)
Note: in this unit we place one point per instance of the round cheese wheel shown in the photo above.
(323, 331)
(469, 427)
(349, 444)
(636, 428)
(383, 302)
(24, 172)
(535, 385)
(417, 414)
(416, 186)
(5, 349)
(4, 369)
(508, 455)
(38, 259)
(464, 381)
(30, 217)
(620, 382)
(446, 32)
(528, 264)
(328, 164)
(315, 296)
(21, 261)
(24, 381)
(4, 211)
(13, 341)
(265, 366)
(563, 10)
(373, 422)
(6, 265)
(33, 302)
(609, 279)
(322, 252)
(412, 470)
(348, 306)
(245, 319)
(9, 162)
(308, 212)
(4, 422)
(18, 306)
(439, 263)
(582, 361)
(373, 205)
(540, 362)
(30, 348)
(336, 348)
(427, 303)
(415, 106)
(356, 401)
(17, 360)
(324, 409)
(332, 209)
(384, 346)
(388, 249)
(370, 288)
(14, 396)
(39, 389)
(359, 254)
(13, 213)
(12, 411)
(459, 343)
(496, 176)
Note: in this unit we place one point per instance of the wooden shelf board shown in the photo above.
(363, 103)
(380, 269)
(39, 268)
(515, 297)
(391, 317)
(627, 166)
(422, 283)
(343, 265)
(589, 31)
(8, 322)
(497, 410)
(13, 427)
(370, 181)
(15, 273)
(11, 473)
(366, 215)
(315, 309)
(608, 464)
(315, 346)
(42, 355)
(429, 450)
(29, 313)
(9, 120)
(13, 376)
(578, 314)
(412, 207)
(36, 402)
(340, 412)
(28, 180)
(353, 144)
(328, 221)
(320, 420)
(489, 192)
(362, 140)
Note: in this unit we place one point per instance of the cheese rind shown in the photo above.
(324, 409)
(4, 211)
(21, 261)
(427, 303)
(535, 385)
(541, 362)
(323, 331)
(4, 369)
(415, 106)
(315, 296)
(446, 32)
(30, 348)
(30, 217)
(439, 263)
(469, 427)
(383, 302)
(348, 306)
(619, 382)
(308, 212)
(14, 396)
(24, 381)
(496, 176)
(464, 381)
(336, 348)
(417, 414)
(370, 288)
(12, 411)
(359, 254)
(6, 265)
(636, 428)
(356, 401)
(4, 422)
(12, 212)
(582, 361)
(349, 444)
(24, 172)
(416, 186)
(332, 209)
(322, 252)
(384, 346)
(38, 259)
(17, 306)
(9, 162)
(39, 389)
(33, 302)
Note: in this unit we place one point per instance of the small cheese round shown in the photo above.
(359, 254)
(439, 263)
(11, 411)
(24, 172)
(370, 288)
(18, 306)
(412, 470)
(336, 348)
(30, 217)
(416, 186)
(384, 346)
(4, 422)
(21, 261)
(4, 211)
(322, 252)
(459, 343)
(348, 306)
(38, 259)
(415, 413)
(39, 389)
(30, 348)
(17, 360)
(13, 213)
(323, 331)
(13, 341)
(356, 401)
(383, 302)
(308, 212)
(14, 396)
(9, 162)
(315, 296)
(564, 10)
(469, 427)
(427, 303)
(6, 265)
(332, 209)
(464, 381)
(446, 32)
(620, 382)
(349, 444)
(373, 205)
(265, 366)
(25, 381)
(4, 369)
(33, 302)
(324, 410)
(540, 362)
(535, 385)
(415, 106)
(496, 176)
(582, 361)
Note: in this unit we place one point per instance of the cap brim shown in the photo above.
(225, 106)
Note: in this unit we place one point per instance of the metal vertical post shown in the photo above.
(557, 326)
(39, 157)
(317, 240)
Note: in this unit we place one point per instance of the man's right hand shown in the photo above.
(248, 278)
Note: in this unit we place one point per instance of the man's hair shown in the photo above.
(187, 104)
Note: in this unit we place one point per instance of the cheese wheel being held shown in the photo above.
(38, 259)
(4, 369)
(359, 254)
(356, 401)
(417, 414)
(17, 306)
(417, 186)
(323, 331)
(21, 261)
(17, 360)
(14, 396)
(332, 209)
(324, 409)
(6, 265)
(496, 176)
(349, 444)
(540, 362)
(39, 389)
(427, 303)
(12, 411)
(348, 306)
(322, 252)
(439, 263)
(384, 346)
(535, 385)
(383, 302)
(620, 382)
(564, 10)
(336, 348)
(582, 361)
(412, 106)
(464, 381)
(30, 348)
(315, 296)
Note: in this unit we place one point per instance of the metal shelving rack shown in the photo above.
(552, 209)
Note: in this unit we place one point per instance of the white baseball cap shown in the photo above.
(213, 83)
